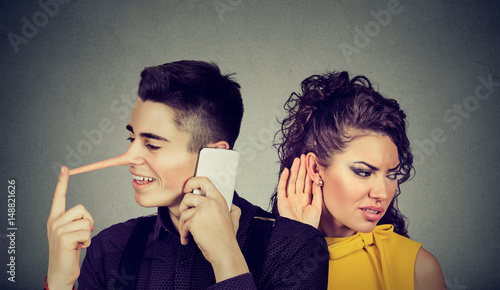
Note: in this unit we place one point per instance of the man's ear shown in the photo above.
(219, 144)
(314, 170)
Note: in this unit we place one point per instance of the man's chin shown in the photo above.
(151, 200)
(144, 201)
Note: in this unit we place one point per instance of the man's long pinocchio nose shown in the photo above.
(124, 159)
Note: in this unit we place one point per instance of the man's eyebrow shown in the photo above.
(130, 128)
(153, 136)
(148, 135)
(376, 169)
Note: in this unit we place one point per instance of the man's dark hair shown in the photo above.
(208, 104)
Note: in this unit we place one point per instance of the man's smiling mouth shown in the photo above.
(143, 179)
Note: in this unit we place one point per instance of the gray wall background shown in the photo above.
(78, 69)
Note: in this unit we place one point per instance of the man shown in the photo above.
(194, 241)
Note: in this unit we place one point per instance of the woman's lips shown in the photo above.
(372, 213)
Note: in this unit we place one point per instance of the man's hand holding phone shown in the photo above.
(213, 228)
(206, 216)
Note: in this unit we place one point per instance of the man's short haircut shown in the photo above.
(208, 105)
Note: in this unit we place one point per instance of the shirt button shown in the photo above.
(184, 262)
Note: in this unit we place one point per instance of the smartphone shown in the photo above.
(221, 166)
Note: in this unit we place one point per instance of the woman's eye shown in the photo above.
(151, 147)
(393, 176)
(362, 173)
(131, 139)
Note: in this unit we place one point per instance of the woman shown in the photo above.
(354, 154)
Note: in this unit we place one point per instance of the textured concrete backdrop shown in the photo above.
(69, 71)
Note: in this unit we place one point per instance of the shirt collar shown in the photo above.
(164, 224)
(247, 213)
(340, 247)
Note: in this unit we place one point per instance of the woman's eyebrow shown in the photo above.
(369, 165)
(148, 135)
(376, 168)
(396, 168)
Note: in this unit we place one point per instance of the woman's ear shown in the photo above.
(314, 170)
(219, 144)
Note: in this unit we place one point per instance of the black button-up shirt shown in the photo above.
(296, 257)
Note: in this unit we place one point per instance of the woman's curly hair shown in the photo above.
(330, 107)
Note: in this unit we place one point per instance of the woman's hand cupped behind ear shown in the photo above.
(298, 198)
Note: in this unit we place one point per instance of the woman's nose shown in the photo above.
(380, 189)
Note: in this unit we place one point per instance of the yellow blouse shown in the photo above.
(381, 259)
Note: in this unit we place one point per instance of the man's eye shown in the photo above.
(131, 139)
(151, 147)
